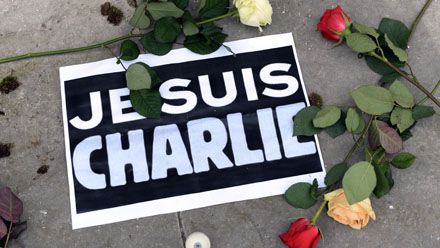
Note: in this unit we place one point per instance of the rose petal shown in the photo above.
(315, 242)
(333, 194)
(297, 226)
(366, 204)
(304, 239)
(330, 36)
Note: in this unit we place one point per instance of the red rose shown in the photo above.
(333, 26)
(301, 234)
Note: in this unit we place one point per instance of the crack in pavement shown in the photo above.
(182, 231)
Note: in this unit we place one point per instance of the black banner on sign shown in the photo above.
(225, 133)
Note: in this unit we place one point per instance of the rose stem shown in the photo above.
(359, 140)
(119, 61)
(9, 234)
(433, 91)
(69, 50)
(418, 18)
(97, 45)
(217, 18)
(318, 212)
(411, 80)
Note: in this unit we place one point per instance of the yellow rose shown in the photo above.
(356, 215)
(255, 13)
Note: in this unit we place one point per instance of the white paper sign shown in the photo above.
(225, 132)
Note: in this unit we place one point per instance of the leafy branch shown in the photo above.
(413, 80)
(391, 109)
(158, 24)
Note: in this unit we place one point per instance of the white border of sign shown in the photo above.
(190, 201)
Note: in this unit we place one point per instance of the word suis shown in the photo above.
(202, 146)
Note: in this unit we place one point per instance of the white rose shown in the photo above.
(255, 13)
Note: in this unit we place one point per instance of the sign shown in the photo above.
(225, 132)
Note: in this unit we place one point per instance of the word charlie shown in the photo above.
(168, 146)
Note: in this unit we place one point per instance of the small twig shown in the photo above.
(359, 140)
(409, 79)
(410, 69)
(380, 48)
(433, 92)
(418, 18)
(119, 61)
(9, 234)
(70, 50)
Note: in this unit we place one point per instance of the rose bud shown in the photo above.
(356, 215)
(334, 24)
(301, 234)
(255, 13)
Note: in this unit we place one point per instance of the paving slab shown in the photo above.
(407, 217)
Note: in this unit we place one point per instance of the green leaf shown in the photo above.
(151, 45)
(299, 195)
(402, 118)
(213, 8)
(166, 30)
(359, 181)
(403, 160)
(155, 80)
(159, 10)
(314, 192)
(209, 30)
(138, 77)
(361, 43)
(401, 94)
(363, 29)
(181, 4)
(406, 135)
(335, 174)
(201, 5)
(422, 111)
(389, 78)
(327, 116)
(373, 100)
(190, 28)
(146, 102)
(303, 122)
(378, 66)
(397, 32)
(399, 52)
(129, 50)
(209, 40)
(384, 117)
(380, 134)
(139, 18)
(374, 157)
(338, 128)
(384, 179)
(360, 127)
(353, 120)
